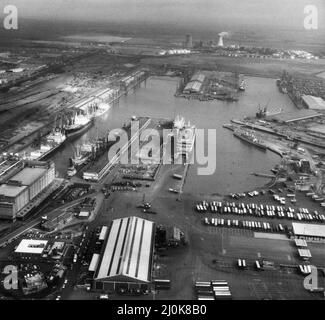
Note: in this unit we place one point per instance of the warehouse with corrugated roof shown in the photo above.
(126, 257)
(196, 83)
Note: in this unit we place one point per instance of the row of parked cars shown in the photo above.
(252, 225)
(270, 211)
(242, 264)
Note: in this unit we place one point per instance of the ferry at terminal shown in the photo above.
(250, 138)
(185, 138)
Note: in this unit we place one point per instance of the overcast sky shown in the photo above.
(287, 13)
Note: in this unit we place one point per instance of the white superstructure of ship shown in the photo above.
(52, 141)
(83, 153)
(100, 109)
(78, 124)
(184, 137)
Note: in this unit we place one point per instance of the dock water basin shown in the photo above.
(234, 159)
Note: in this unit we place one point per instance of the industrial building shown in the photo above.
(104, 95)
(23, 187)
(294, 116)
(126, 257)
(12, 200)
(31, 247)
(36, 179)
(195, 84)
(94, 262)
(309, 231)
(313, 103)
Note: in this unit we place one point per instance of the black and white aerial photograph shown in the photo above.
(154, 151)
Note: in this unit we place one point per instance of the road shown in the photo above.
(34, 222)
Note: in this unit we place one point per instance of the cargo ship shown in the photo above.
(77, 125)
(52, 142)
(250, 138)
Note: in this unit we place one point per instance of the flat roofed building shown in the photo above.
(103, 233)
(94, 262)
(28, 176)
(12, 200)
(313, 103)
(304, 253)
(308, 231)
(127, 253)
(31, 246)
(11, 191)
(36, 178)
(193, 87)
(84, 214)
(295, 116)
(301, 243)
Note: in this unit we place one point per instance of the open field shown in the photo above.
(250, 66)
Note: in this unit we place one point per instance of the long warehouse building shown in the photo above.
(314, 232)
(126, 258)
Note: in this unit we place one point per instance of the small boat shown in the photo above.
(242, 86)
(72, 171)
(83, 154)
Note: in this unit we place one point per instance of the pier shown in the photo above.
(187, 165)
(270, 131)
(263, 175)
(102, 167)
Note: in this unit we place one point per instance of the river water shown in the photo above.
(235, 159)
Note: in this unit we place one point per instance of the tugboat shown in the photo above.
(242, 86)
(83, 154)
(250, 138)
(71, 170)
